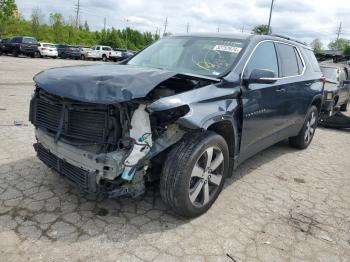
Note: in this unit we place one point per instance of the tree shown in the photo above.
(339, 44)
(7, 14)
(316, 45)
(56, 20)
(36, 21)
(86, 26)
(347, 50)
(261, 30)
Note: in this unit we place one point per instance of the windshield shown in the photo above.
(330, 73)
(194, 55)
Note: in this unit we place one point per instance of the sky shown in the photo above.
(304, 20)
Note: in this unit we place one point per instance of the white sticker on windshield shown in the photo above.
(227, 48)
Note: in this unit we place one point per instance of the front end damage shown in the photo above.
(109, 148)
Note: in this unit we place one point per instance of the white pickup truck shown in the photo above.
(101, 52)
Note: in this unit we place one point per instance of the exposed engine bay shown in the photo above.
(109, 148)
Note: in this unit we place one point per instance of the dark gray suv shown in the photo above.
(185, 111)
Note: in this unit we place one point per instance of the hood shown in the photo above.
(105, 84)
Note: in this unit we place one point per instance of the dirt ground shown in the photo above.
(281, 205)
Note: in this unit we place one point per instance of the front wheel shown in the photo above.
(104, 58)
(306, 134)
(194, 173)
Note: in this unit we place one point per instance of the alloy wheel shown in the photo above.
(310, 128)
(206, 176)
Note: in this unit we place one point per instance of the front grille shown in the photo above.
(77, 176)
(79, 122)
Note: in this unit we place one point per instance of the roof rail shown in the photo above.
(288, 38)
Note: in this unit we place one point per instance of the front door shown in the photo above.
(262, 103)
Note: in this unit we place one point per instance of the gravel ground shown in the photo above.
(281, 205)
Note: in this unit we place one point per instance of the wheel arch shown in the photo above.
(317, 101)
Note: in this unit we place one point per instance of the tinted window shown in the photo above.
(264, 57)
(312, 59)
(300, 62)
(97, 48)
(289, 63)
(29, 40)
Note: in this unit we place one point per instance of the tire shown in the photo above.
(82, 57)
(63, 56)
(36, 55)
(104, 58)
(344, 108)
(306, 134)
(15, 53)
(183, 173)
(54, 57)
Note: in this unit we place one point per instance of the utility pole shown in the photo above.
(126, 33)
(269, 24)
(77, 8)
(218, 29)
(188, 27)
(165, 25)
(104, 24)
(339, 31)
(242, 30)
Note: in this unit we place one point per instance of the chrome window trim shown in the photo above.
(276, 41)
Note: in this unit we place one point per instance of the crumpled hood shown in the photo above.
(105, 84)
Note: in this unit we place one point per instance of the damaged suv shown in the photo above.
(185, 111)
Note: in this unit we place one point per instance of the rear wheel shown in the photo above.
(15, 53)
(82, 57)
(194, 173)
(306, 134)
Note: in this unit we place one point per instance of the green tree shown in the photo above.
(347, 50)
(57, 22)
(261, 30)
(86, 26)
(339, 44)
(36, 21)
(316, 45)
(7, 14)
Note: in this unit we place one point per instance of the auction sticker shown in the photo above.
(227, 48)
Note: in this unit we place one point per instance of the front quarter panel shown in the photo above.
(207, 105)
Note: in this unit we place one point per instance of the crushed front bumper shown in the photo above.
(83, 168)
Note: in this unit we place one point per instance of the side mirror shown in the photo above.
(262, 76)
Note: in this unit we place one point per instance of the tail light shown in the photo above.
(110, 53)
(43, 48)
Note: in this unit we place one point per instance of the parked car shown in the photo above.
(48, 50)
(22, 45)
(337, 87)
(184, 111)
(3, 48)
(68, 51)
(101, 52)
(122, 54)
(83, 52)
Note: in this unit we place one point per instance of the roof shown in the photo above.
(245, 36)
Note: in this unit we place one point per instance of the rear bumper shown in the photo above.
(52, 54)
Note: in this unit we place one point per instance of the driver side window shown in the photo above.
(264, 57)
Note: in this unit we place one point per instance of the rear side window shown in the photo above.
(312, 59)
(264, 57)
(288, 60)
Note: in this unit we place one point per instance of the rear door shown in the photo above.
(262, 103)
(292, 67)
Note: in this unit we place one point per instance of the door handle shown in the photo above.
(280, 90)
